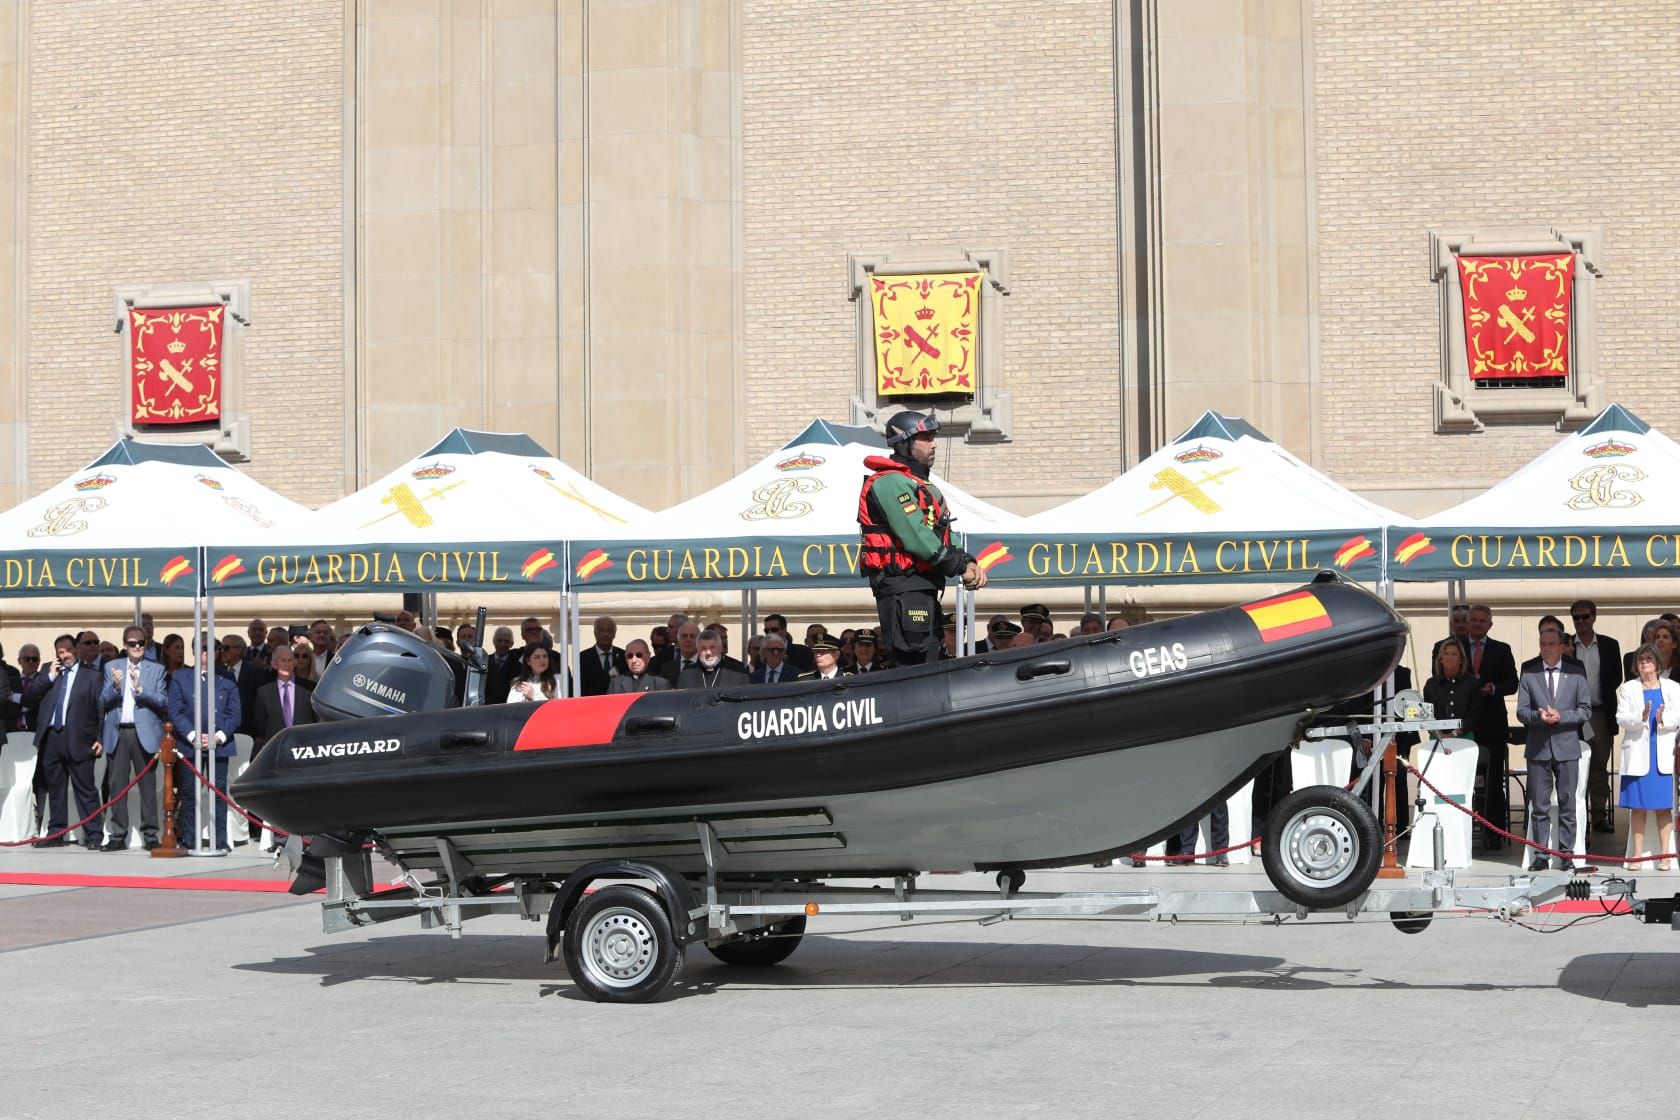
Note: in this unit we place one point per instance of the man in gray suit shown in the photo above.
(1554, 701)
(135, 706)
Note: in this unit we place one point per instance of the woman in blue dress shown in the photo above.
(1648, 709)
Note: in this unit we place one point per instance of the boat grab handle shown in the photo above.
(643, 724)
(466, 738)
(1053, 668)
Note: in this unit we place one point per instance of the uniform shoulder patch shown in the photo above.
(907, 502)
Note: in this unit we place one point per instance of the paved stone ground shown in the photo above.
(145, 1003)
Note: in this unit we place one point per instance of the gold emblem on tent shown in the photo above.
(571, 492)
(1180, 486)
(778, 501)
(1596, 487)
(412, 505)
(59, 520)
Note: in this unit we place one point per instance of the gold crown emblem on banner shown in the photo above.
(1518, 292)
(176, 347)
(924, 313)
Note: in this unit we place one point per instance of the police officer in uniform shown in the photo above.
(907, 552)
(825, 651)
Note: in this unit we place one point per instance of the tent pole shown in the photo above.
(574, 654)
(562, 640)
(973, 611)
(137, 610)
(1102, 604)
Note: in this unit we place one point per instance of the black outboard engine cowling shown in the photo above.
(383, 670)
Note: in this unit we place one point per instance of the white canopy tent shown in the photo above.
(1221, 502)
(1602, 502)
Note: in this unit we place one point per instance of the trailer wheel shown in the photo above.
(762, 947)
(1322, 847)
(619, 946)
(1411, 921)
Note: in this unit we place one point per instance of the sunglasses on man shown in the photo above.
(135, 644)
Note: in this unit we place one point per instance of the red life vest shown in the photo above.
(881, 551)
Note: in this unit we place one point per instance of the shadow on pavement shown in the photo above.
(1631, 979)
(836, 963)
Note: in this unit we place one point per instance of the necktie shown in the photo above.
(775, 676)
(606, 661)
(286, 702)
(1551, 682)
(1476, 661)
(64, 701)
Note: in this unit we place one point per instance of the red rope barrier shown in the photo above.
(67, 829)
(1138, 857)
(1570, 857)
(230, 802)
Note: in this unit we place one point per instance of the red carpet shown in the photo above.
(142, 882)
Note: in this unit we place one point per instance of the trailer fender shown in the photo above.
(672, 890)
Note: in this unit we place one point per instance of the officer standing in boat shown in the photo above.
(907, 552)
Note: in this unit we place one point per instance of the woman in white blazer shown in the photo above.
(1648, 709)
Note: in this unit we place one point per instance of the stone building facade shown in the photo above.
(627, 227)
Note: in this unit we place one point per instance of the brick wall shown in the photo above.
(195, 140)
(1455, 114)
(870, 123)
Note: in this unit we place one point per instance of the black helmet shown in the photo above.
(908, 424)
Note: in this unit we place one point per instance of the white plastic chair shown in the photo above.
(1581, 825)
(1450, 766)
(17, 779)
(1321, 762)
(1240, 810)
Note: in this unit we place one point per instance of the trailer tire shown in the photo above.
(620, 947)
(762, 948)
(1322, 847)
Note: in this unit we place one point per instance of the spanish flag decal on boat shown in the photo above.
(1354, 550)
(175, 569)
(539, 561)
(592, 563)
(225, 567)
(1411, 548)
(995, 553)
(1286, 616)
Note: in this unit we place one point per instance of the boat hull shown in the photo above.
(1042, 756)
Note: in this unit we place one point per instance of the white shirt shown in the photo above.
(1588, 653)
(128, 693)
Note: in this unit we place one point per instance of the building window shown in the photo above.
(181, 349)
(1519, 341)
(929, 336)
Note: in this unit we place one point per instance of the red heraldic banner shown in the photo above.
(1516, 315)
(175, 365)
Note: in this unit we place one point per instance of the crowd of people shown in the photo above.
(1572, 702)
(95, 699)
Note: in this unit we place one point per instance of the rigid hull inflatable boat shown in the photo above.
(1051, 755)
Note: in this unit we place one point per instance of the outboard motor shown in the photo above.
(383, 670)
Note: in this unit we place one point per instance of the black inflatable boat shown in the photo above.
(1045, 756)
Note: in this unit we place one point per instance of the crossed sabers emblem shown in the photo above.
(572, 493)
(412, 505)
(1191, 491)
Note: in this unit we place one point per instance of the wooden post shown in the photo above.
(1390, 868)
(168, 848)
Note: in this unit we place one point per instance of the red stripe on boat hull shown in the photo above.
(583, 722)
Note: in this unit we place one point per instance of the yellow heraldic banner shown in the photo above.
(926, 333)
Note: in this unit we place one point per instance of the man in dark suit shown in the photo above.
(68, 738)
(1554, 702)
(133, 697)
(219, 703)
(709, 671)
(1494, 665)
(600, 663)
(687, 655)
(504, 666)
(1458, 630)
(775, 669)
(798, 656)
(281, 703)
(248, 676)
(1601, 657)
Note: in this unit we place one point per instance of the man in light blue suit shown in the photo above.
(135, 702)
(222, 703)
